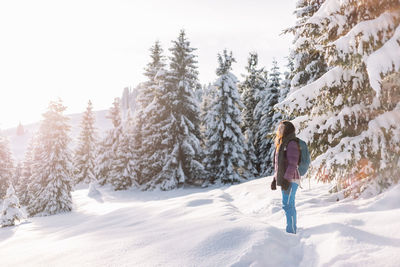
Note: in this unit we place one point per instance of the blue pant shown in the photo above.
(288, 198)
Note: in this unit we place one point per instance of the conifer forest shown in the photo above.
(181, 174)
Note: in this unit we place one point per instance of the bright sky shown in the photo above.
(91, 49)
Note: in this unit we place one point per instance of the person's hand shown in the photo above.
(285, 184)
(273, 185)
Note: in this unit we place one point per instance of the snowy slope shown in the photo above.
(18, 144)
(240, 225)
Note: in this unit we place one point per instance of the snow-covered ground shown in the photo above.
(240, 225)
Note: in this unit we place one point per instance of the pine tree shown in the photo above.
(52, 167)
(17, 175)
(6, 165)
(144, 116)
(84, 160)
(225, 142)
(288, 76)
(251, 88)
(11, 209)
(352, 124)
(157, 144)
(108, 147)
(267, 120)
(198, 93)
(251, 158)
(156, 139)
(275, 75)
(122, 172)
(183, 162)
(23, 187)
(103, 160)
(207, 97)
(308, 57)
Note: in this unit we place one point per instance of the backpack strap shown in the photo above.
(298, 146)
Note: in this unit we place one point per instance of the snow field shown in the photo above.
(240, 225)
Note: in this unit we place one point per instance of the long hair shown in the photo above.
(284, 129)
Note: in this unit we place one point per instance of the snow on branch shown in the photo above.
(328, 121)
(350, 148)
(328, 8)
(303, 99)
(384, 60)
(365, 36)
(329, 13)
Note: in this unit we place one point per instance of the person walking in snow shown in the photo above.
(286, 160)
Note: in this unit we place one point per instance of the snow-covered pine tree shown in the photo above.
(11, 211)
(183, 161)
(122, 172)
(251, 158)
(225, 159)
(267, 120)
(85, 154)
(103, 160)
(17, 174)
(156, 140)
(275, 75)
(251, 89)
(207, 96)
(137, 144)
(285, 84)
(143, 115)
(251, 86)
(27, 187)
(6, 165)
(198, 93)
(52, 167)
(156, 64)
(350, 114)
(108, 147)
(308, 58)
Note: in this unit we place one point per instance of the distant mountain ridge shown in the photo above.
(19, 143)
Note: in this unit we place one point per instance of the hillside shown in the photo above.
(239, 225)
(18, 144)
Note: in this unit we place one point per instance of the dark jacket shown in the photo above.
(290, 162)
